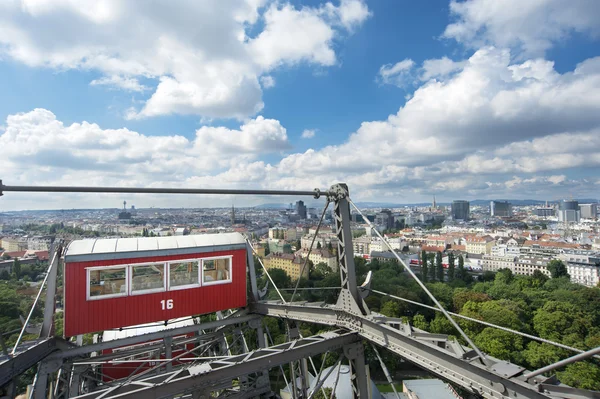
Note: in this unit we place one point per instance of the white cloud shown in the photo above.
(529, 27)
(308, 133)
(199, 52)
(130, 84)
(398, 74)
(107, 156)
(267, 81)
(440, 68)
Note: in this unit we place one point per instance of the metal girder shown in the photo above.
(212, 375)
(447, 362)
(349, 298)
(210, 325)
(32, 353)
(359, 371)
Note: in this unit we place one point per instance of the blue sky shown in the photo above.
(401, 99)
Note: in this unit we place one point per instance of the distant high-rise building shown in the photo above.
(385, 219)
(434, 204)
(460, 210)
(301, 209)
(544, 211)
(589, 211)
(232, 216)
(568, 211)
(500, 208)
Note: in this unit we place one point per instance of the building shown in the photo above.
(526, 265)
(289, 263)
(39, 243)
(568, 211)
(385, 219)
(320, 256)
(544, 212)
(361, 245)
(494, 263)
(301, 209)
(480, 245)
(589, 211)
(583, 266)
(460, 210)
(500, 209)
(14, 244)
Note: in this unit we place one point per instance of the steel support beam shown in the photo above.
(359, 372)
(33, 353)
(449, 363)
(349, 299)
(316, 193)
(210, 375)
(83, 350)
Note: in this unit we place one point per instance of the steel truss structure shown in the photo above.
(221, 363)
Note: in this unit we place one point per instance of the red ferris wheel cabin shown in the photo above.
(119, 282)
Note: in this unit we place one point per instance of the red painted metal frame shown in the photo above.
(83, 316)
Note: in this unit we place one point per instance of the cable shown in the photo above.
(460, 330)
(310, 248)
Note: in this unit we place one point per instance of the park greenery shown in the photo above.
(550, 308)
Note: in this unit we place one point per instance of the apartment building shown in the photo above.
(527, 264)
(480, 245)
(289, 263)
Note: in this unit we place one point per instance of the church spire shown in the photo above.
(434, 204)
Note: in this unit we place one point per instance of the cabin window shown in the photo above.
(183, 274)
(107, 282)
(216, 270)
(147, 278)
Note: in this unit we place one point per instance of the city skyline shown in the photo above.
(402, 101)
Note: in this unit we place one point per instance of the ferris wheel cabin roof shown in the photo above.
(138, 247)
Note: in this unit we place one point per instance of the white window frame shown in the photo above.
(187, 286)
(216, 282)
(117, 295)
(150, 290)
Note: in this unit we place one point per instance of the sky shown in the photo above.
(402, 100)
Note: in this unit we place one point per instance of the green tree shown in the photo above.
(391, 309)
(17, 268)
(557, 269)
(330, 246)
(462, 296)
(539, 278)
(319, 245)
(420, 322)
(328, 394)
(298, 245)
(500, 344)
(439, 266)
(460, 272)
(432, 269)
(451, 267)
(267, 250)
(320, 271)
(280, 278)
(582, 375)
